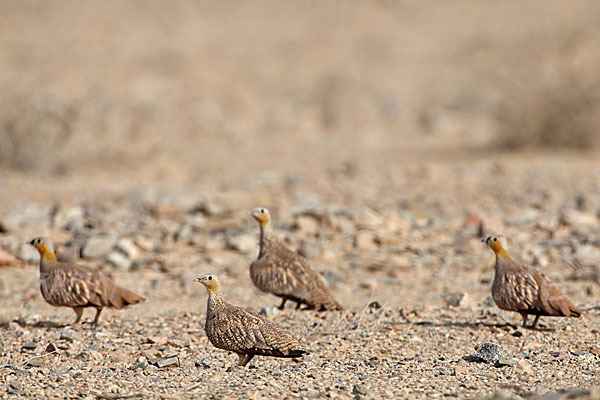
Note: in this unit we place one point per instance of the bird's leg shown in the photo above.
(282, 303)
(535, 321)
(298, 304)
(244, 359)
(97, 318)
(524, 315)
(79, 313)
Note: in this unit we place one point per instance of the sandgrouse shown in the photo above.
(71, 285)
(245, 333)
(284, 273)
(523, 289)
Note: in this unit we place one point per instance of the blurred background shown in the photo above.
(185, 91)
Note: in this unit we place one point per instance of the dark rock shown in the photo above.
(51, 348)
(487, 353)
(374, 304)
(29, 346)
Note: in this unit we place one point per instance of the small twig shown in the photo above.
(364, 310)
(194, 386)
(39, 356)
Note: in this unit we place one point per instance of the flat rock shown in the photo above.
(119, 260)
(98, 246)
(29, 346)
(164, 362)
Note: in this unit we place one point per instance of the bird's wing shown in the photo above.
(74, 286)
(245, 332)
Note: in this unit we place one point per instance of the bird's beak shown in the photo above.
(197, 280)
(250, 212)
(29, 242)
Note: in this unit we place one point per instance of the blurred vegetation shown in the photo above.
(92, 84)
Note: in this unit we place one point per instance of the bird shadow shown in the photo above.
(44, 324)
(473, 325)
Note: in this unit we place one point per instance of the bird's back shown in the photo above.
(521, 288)
(282, 272)
(74, 285)
(231, 328)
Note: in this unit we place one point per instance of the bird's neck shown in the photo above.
(48, 256)
(266, 233)
(45, 260)
(503, 261)
(502, 254)
(214, 300)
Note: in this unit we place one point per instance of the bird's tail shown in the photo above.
(122, 297)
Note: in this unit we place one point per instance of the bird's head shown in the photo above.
(210, 282)
(44, 247)
(261, 215)
(498, 244)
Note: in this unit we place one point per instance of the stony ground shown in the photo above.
(403, 255)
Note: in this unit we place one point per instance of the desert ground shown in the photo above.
(387, 138)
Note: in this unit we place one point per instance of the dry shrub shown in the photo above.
(565, 115)
(552, 105)
(33, 132)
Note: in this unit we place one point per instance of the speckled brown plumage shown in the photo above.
(284, 273)
(247, 334)
(524, 289)
(71, 285)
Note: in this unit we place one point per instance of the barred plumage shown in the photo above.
(286, 274)
(247, 334)
(77, 286)
(524, 289)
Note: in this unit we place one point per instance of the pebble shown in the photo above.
(164, 362)
(360, 390)
(28, 254)
(270, 311)
(51, 348)
(246, 244)
(29, 346)
(459, 300)
(128, 248)
(70, 219)
(506, 362)
(14, 386)
(119, 260)
(98, 246)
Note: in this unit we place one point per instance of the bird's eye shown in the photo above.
(210, 278)
(262, 210)
(495, 239)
